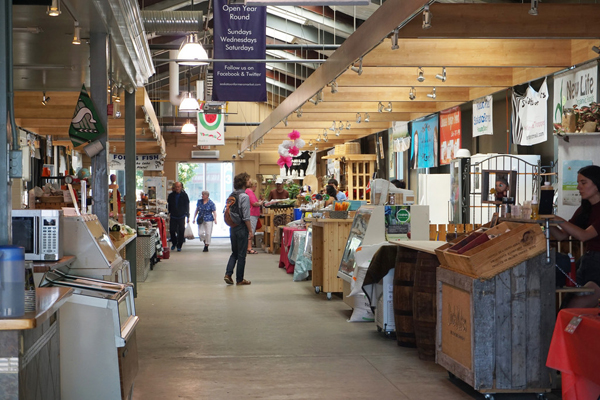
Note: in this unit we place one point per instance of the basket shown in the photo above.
(352, 148)
(338, 214)
(340, 149)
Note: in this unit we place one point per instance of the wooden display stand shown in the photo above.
(329, 239)
(270, 228)
(358, 169)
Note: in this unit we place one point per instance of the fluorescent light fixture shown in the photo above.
(427, 16)
(358, 118)
(413, 93)
(191, 50)
(395, 40)
(286, 15)
(188, 128)
(442, 77)
(421, 74)
(432, 95)
(534, 7)
(367, 117)
(76, 34)
(54, 9)
(45, 99)
(189, 104)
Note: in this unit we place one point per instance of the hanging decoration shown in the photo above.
(289, 148)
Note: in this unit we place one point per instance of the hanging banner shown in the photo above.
(148, 162)
(576, 87)
(424, 132)
(450, 134)
(85, 125)
(530, 116)
(239, 33)
(303, 164)
(211, 129)
(482, 116)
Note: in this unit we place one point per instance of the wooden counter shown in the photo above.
(120, 244)
(49, 300)
(426, 246)
(329, 241)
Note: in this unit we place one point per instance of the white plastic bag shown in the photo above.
(188, 234)
(362, 310)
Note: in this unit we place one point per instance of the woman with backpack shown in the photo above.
(207, 216)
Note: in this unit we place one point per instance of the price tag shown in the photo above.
(573, 325)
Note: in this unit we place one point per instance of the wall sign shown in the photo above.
(424, 147)
(148, 162)
(576, 87)
(482, 116)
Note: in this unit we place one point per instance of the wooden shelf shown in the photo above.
(351, 157)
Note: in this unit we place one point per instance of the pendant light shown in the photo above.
(188, 128)
(189, 104)
(191, 51)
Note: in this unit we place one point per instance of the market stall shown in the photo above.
(286, 241)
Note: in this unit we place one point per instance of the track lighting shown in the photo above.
(367, 117)
(395, 40)
(421, 75)
(45, 99)
(347, 125)
(358, 69)
(310, 143)
(413, 93)
(389, 107)
(318, 139)
(189, 104)
(432, 95)
(358, 118)
(341, 126)
(332, 128)
(53, 9)
(534, 7)
(442, 77)
(299, 112)
(317, 98)
(325, 138)
(596, 49)
(337, 133)
(334, 86)
(191, 51)
(285, 121)
(188, 128)
(76, 34)
(427, 16)
(379, 107)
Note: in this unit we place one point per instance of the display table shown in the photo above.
(576, 354)
(30, 348)
(145, 250)
(286, 241)
(329, 240)
(161, 226)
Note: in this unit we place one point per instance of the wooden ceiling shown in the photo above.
(486, 48)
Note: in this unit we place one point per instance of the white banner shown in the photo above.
(211, 129)
(576, 87)
(530, 116)
(149, 162)
(482, 116)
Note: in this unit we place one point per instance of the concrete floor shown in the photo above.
(199, 338)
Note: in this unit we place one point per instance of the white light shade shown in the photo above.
(188, 128)
(189, 104)
(192, 50)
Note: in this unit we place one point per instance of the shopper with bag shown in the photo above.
(237, 216)
(254, 210)
(205, 216)
(178, 204)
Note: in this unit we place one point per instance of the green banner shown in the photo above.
(85, 125)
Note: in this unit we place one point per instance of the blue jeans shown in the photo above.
(239, 244)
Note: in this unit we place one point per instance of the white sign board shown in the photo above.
(148, 162)
(530, 118)
(482, 116)
(576, 87)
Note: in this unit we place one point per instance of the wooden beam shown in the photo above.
(395, 94)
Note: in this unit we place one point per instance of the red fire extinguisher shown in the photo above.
(573, 274)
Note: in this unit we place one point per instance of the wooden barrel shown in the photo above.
(425, 305)
(403, 296)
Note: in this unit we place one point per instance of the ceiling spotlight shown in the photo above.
(310, 143)
(191, 51)
(427, 17)
(389, 107)
(316, 148)
(45, 99)
(325, 139)
(596, 49)
(188, 128)
(53, 10)
(337, 133)
(285, 122)
(299, 112)
(347, 125)
(341, 126)
(358, 118)
(432, 95)
(189, 104)
(76, 34)
(332, 128)
(413, 93)
(534, 7)
(358, 69)
(421, 75)
(395, 40)
(442, 77)
(334, 86)
(367, 117)
(318, 139)
(379, 107)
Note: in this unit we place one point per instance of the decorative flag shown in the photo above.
(211, 129)
(482, 116)
(85, 125)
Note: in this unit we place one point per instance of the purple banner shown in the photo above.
(240, 33)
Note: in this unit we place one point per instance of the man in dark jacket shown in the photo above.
(178, 203)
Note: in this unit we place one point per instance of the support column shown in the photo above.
(130, 170)
(98, 87)
(5, 137)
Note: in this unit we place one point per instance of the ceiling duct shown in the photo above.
(163, 22)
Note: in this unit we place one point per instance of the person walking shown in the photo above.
(178, 204)
(254, 210)
(206, 214)
(241, 232)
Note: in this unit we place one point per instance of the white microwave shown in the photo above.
(39, 232)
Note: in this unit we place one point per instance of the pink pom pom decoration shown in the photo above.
(293, 135)
(281, 161)
(288, 161)
(294, 151)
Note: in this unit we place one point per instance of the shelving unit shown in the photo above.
(358, 169)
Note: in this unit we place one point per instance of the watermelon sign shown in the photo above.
(211, 129)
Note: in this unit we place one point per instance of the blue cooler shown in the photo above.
(12, 281)
(297, 214)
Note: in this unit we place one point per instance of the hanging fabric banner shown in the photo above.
(578, 87)
(85, 125)
(147, 162)
(530, 116)
(424, 132)
(482, 116)
(211, 129)
(450, 134)
(240, 33)
(303, 164)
